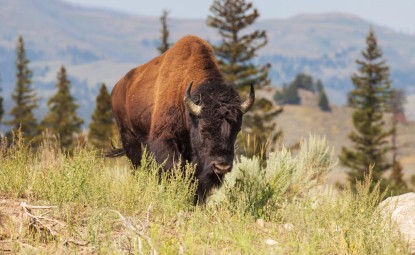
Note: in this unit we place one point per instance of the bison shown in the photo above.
(179, 106)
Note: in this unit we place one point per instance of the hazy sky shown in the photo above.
(396, 14)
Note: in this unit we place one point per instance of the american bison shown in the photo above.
(180, 107)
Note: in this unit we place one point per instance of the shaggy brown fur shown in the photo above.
(148, 106)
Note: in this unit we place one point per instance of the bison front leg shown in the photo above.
(165, 151)
(132, 146)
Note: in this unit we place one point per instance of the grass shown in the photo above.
(280, 206)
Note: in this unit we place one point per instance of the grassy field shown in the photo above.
(100, 206)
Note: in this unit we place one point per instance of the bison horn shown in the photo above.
(190, 105)
(245, 106)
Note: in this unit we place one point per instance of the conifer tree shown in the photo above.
(235, 55)
(304, 81)
(102, 126)
(61, 120)
(291, 94)
(323, 101)
(24, 97)
(397, 184)
(369, 99)
(236, 51)
(164, 45)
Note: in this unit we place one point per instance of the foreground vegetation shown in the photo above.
(102, 206)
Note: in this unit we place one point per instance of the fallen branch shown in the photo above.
(76, 242)
(37, 206)
(139, 230)
(41, 223)
(26, 209)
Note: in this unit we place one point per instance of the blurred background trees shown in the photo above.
(369, 99)
(236, 54)
(164, 45)
(24, 97)
(290, 93)
(102, 127)
(62, 120)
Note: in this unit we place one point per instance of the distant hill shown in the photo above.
(100, 46)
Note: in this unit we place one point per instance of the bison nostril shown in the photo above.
(222, 167)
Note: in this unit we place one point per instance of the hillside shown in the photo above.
(336, 126)
(100, 46)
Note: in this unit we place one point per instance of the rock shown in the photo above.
(402, 210)
(288, 226)
(260, 223)
(271, 242)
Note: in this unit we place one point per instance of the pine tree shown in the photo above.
(397, 184)
(323, 101)
(304, 81)
(165, 45)
(24, 97)
(397, 102)
(291, 94)
(102, 126)
(236, 51)
(369, 99)
(235, 56)
(61, 120)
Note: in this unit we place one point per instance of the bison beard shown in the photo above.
(159, 110)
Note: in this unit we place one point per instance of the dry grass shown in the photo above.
(280, 207)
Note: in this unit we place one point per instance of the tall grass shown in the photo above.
(302, 216)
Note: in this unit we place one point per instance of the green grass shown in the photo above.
(287, 191)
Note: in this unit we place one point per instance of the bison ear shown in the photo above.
(245, 106)
(191, 106)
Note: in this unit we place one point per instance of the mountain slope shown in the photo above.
(100, 46)
(336, 126)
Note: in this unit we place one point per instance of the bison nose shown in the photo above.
(221, 167)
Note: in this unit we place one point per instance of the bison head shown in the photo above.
(215, 118)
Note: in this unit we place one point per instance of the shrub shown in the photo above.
(261, 190)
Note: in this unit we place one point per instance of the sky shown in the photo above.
(395, 14)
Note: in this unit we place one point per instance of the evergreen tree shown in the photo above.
(279, 96)
(291, 94)
(323, 101)
(397, 102)
(61, 120)
(369, 99)
(304, 81)
(236, 51)
(24, 97)
(397, 184)
(235, 56)
(102, 126)
(165, 45)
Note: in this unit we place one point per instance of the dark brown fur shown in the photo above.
(148, 106)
